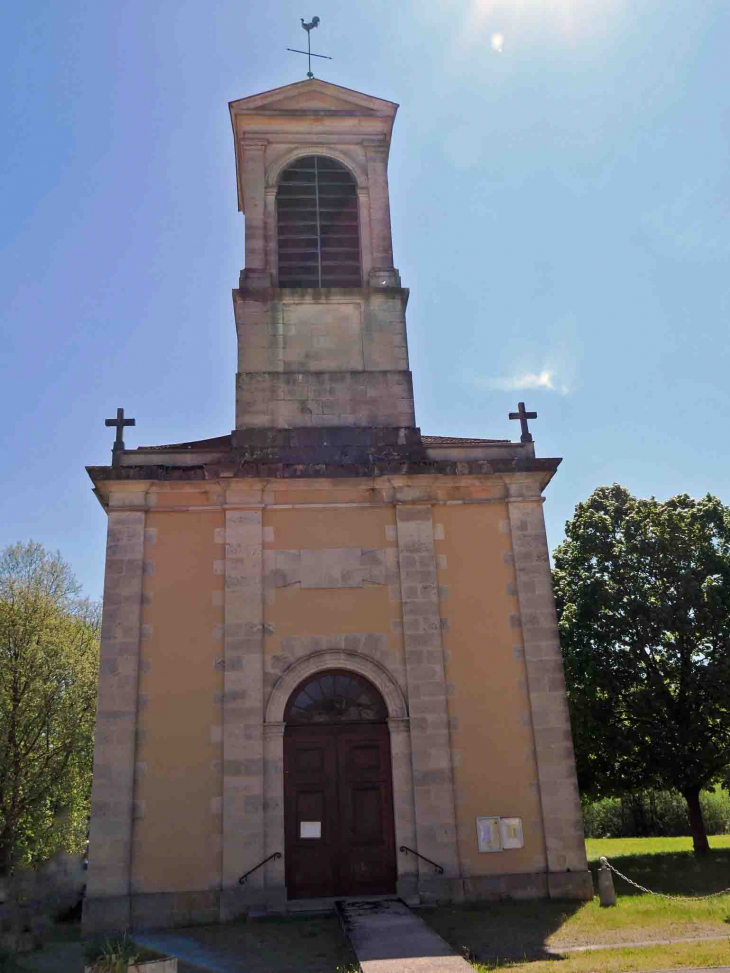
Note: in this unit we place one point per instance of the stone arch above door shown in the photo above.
(336, 659)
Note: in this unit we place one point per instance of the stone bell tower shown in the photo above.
(320, 311)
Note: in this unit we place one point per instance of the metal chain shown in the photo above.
(607, 864)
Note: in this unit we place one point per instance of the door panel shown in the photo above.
(339, 776)
(366, 806)
(310, 795)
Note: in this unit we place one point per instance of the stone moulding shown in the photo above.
(240, 469)
(335, 659)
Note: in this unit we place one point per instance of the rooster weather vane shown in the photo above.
(314, 22)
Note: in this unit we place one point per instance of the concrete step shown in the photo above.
(328, 906)
(388, 938)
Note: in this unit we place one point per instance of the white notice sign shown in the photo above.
(488, 835)
(511, 832)
(310, 829)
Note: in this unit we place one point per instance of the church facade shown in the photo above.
(330, 662)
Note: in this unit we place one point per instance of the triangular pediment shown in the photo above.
(316, 96)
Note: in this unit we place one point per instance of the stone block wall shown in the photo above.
(287, 400)
(335, 356)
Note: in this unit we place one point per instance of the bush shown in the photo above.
(653, 814)
(116, 954)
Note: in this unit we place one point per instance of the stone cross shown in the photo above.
(120, 422)
(523, 416)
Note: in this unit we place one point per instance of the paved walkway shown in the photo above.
(187, 950)
(388, 938)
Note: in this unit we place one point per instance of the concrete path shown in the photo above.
(188, 951)
(388, 938)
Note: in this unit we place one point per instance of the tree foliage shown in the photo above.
(643, 596)
(48, 677)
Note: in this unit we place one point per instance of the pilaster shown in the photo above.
(253, 184)
(404, 813)
(112, 799)
(242, 702)
(376, 153)
(557, 781)
(274, 808)
(433, 786)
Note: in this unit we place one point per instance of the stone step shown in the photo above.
(328, 905)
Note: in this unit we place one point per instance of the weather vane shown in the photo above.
(314, 22)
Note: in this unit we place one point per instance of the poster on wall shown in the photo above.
(488, 834)
(511, 832)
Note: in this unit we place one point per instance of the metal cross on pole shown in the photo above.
(314, 22)
(523, 416)
(120, 422)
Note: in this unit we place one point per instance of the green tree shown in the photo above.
(643, 597)
(49, 651)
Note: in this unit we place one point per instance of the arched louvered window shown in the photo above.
(336, 696)
(317, 225)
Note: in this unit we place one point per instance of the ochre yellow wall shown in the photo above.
(177, 832)
(174, 842)
(495, 771)
(305, 612)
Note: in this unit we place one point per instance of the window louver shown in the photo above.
(317, 225)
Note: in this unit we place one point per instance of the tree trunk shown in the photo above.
(696, 822)
(6, 851)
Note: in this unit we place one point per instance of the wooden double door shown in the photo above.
(338, 810)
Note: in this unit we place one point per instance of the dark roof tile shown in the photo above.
(224, 442)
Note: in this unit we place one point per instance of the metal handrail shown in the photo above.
(438, 868)
(242, 879)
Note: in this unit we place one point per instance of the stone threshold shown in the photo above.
(326, 905)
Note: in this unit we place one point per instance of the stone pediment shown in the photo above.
(313, 96)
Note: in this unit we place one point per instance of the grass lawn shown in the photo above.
(292, 945)
(632, 960)
(506, 932)
(295, 945)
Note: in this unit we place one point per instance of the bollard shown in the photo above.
(605, 884)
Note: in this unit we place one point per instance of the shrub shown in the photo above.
(115, 954)
(653, 814)
(111, 955)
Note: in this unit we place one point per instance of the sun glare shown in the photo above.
(497, 42)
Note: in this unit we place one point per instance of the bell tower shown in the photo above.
(320, 311)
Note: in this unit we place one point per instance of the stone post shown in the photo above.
(107, 902)
(606, 890)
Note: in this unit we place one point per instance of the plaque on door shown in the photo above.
(310, 829)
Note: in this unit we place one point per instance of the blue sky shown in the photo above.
(560, 191)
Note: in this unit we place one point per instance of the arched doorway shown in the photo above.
(338, 788)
